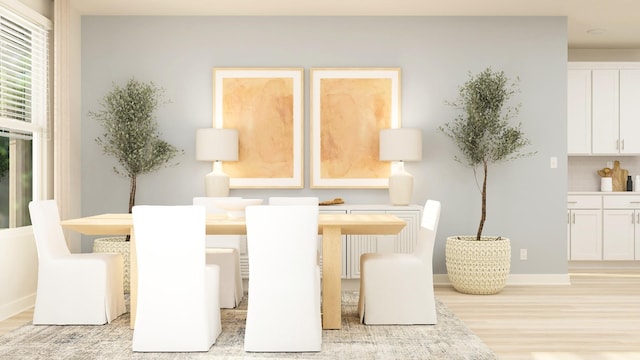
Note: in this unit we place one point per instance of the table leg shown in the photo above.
(331, 272)
(133, 282)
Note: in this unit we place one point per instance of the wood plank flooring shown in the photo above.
(596, 317)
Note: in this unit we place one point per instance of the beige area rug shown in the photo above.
(450, 339)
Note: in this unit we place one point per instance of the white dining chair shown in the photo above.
(301, 200)
(178, 306)
(224, 251)
(398, 288)
(283, 313)
(73, 289)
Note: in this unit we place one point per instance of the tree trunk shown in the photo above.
(132, 198)
(132, 193)
(484, 201)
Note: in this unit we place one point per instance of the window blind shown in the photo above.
(23, 70)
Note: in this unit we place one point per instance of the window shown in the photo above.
(24, 111)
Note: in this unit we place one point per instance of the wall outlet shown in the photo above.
(523, 254)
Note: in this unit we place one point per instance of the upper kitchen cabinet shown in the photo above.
(603, 117)
(630, 110)
(579, 112)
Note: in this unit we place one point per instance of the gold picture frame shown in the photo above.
(266, 106)
(349, 106)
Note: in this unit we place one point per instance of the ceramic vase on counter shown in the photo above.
(606, 184)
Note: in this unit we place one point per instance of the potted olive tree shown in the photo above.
(131, 136)
(483, 134)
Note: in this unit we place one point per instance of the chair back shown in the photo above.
(218, 241)
(50, 241)
(170, 251)
(427, 233)
(283, 311)
(293, 200)
(281, 239)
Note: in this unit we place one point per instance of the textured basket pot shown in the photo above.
(116, 245)
(478, 267)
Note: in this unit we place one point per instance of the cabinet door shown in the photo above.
(568, 234)
(404, 242)
(586, 234)
(604, 112)
(579, 112)
(630, 111)
(637, 236)
(618, 239)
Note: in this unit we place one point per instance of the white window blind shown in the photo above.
(23, 72)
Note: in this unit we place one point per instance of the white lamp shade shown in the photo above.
(217, 144)
(402, 144)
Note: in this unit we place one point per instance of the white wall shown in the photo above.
(527, 199)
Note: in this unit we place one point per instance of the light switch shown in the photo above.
(553, 162)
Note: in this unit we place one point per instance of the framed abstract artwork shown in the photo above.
(349, 106)
(266, 106)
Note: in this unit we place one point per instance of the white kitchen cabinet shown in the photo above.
(584, 227)
(603, 114)
(579, 111)
(354, 245)
(621, 227)
(630, 111)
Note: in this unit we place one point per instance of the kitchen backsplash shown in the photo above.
(582, 170)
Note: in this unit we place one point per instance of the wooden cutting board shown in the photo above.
(619, 177)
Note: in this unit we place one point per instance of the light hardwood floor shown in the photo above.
(596, 317)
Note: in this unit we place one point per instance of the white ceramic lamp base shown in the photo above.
(400, 188)
(216, 184)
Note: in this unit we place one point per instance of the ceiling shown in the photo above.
(591, 24)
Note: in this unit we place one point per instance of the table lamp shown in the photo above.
(217, 145)
(398, 146)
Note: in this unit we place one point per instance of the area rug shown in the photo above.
(450, 339)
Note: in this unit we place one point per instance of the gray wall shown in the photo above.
(526, 199)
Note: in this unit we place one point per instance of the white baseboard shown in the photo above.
(17, 306)
(603, 264)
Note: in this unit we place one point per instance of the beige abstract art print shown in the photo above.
(349, 107)
(265, 105)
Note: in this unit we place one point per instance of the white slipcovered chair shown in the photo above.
(398, 288)
(283, 313)
(224, 251)
(178, 301)
(72, 289)
(301, 200)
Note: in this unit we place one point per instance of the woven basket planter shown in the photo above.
(116, 245)
(478, 267)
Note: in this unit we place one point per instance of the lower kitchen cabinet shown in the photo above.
(620, 229)
(584, 227)
(585, 234)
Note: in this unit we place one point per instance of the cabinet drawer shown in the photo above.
(622, 202)
(584, 202)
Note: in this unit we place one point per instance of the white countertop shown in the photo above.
(608, 193)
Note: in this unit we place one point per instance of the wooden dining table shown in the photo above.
(330, 226)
